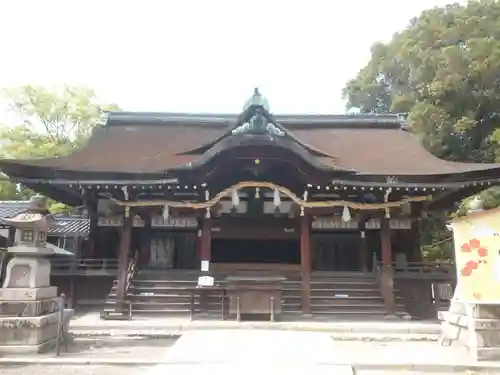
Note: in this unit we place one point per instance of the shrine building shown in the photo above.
(330, 203)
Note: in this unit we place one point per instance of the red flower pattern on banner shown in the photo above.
(474, 243)
(466, 248)
(471, 265)
(482, 252)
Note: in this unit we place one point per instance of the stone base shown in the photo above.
(24, 334)
(28, 308)
(486, 322)
(27, 294)
(28, 349)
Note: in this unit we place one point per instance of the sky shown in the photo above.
(198, 56)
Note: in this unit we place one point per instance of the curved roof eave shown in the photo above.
(241, 140)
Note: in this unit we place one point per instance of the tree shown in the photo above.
(51, 123)
(443, 72)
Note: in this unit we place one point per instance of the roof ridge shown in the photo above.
(14, 202)
(225, 119)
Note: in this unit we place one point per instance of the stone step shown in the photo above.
(181, 291)
(353, 287)
(334, 280)
(164, 282)
(165, 292)
(173, 307)
(376, 309)
(163, 273)
(332, 292)
(358, 315)
(334, 300)
(160, 298)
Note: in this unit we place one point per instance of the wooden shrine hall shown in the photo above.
(314, 211)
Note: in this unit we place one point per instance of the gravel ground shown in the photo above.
(72, 370)
(175, 370)
(115, 348)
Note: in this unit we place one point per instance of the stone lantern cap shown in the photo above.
(35, 216)
(32, 227)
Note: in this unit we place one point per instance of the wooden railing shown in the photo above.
(424, 270)
(84, 266)
(131, 270)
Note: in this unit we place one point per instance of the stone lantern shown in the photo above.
(29, 267)
(28, 303)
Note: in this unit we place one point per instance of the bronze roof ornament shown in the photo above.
(257, 99)
(258, 123)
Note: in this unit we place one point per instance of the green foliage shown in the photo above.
(435, 240)
(51, 123)
(8, 191)
(443, 71)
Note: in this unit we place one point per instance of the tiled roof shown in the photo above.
(70, 227)
(66, 226)
(142, 144)
(10, 209)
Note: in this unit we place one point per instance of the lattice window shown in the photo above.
(42, 236)
(27, 236)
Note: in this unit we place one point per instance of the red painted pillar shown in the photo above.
(123, 255)
(387, 275)
(386, 246)
(416, 255)
(305, 263)
(205, 241)
(90, 250)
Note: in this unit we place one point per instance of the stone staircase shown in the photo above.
(334, 295)
(158, 292)
(340, 295)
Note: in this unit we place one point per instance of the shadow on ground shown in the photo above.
(113, 348)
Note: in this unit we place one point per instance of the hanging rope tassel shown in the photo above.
(386, 199)
(306, 193)
(235, 198)
(207, 214)
(126, 196)
(346, 214)
(276, 198)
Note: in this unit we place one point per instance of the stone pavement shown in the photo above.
(255, 351)
(188, 370)
(251, 351)
(91, 323)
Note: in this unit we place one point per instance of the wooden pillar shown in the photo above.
(305, 263)
(90, 250)
(386, 246)
(72, 293)
(12, 236)
(145, 251)
(387, 274)
(205, 242)
(417, 255)
(123, 256)
(363, 250)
